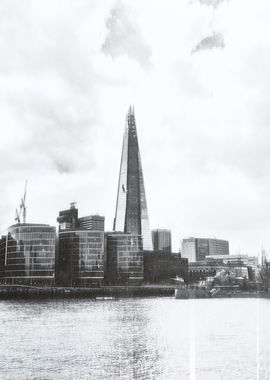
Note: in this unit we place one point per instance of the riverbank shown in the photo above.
(107, 292)
(219, 292)
(113, 292)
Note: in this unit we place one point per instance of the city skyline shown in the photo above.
(201, 99)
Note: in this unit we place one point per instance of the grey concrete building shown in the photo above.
(196, 249)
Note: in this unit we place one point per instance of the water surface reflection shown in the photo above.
(151, 338)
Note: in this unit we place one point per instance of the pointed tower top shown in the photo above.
(131, 214)
(131, 110)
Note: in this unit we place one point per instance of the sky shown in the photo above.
(198, 75)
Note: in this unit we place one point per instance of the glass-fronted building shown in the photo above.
(28, 255)
(124, 259)
(162, 240)
(80, 258)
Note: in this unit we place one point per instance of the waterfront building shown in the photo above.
(28, 255)
(91, 222)
(131, 214)
(240, 266)
(81, 248)
(162, 240)
(3, 242)
(196, 249)
(124, 259)
(160, 268)
(80, 258)
(235, 260)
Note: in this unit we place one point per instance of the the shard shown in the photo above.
(131, 214)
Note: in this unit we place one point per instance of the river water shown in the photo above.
(143, 338)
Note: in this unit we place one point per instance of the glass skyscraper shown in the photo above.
(131, 214)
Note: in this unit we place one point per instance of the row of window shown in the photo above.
(22, 261)
(22, 255)
(23, 273)
(32, 236)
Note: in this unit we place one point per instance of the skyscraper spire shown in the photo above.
(131, 209)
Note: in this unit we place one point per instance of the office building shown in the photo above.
(162, 240)
(218, 247)
(3, 243)
(91, 222)
(196, 249)
(131, 214)
(28, 255)
(80, 258)
(124, 259)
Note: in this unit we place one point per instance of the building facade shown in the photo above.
(162, 240)
(91, 222)
(239, 266)
(81, 249)
(218, 247)
(28, 255)
(160, 268)
(189, 249)
(196, 249)
(124, 259)
(131, 214)
(80, 258)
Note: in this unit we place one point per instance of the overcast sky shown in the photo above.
(198, 74)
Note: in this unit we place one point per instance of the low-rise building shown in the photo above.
(160, 268)
(124, 259)
(81, 249)
(80, 258)
(28, 255)
(240, 266)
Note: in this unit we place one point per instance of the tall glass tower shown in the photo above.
(131, 214)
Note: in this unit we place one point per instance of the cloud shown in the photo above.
(216, 40)
(124, 37)
(70, 71)
(213, 3)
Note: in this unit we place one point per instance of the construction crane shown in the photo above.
(17, 216)
(23, 204)
(22, 207)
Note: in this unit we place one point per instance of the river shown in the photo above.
(141, 338)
